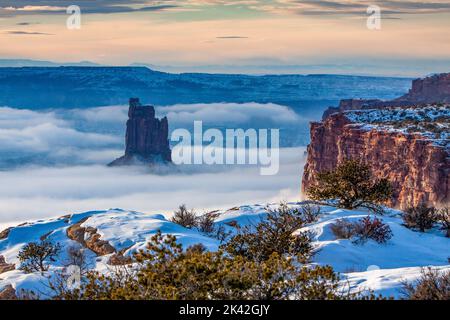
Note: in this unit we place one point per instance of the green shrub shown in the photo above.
(276, 233)
(351, 185)
(33, 256)
(166, 272)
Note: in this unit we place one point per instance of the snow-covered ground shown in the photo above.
(383, 115)
(380, 267)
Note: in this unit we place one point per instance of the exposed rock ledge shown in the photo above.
(8, 293)
(5, 267)
(5, 233)
(89, 238)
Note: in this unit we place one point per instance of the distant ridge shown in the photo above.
(92, 86)
(17, 63)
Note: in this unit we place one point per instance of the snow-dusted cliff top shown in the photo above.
(431, 121)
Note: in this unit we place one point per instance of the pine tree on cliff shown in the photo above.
(351, 185)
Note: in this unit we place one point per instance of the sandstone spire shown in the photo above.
(146, 140)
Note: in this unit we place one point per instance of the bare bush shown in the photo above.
(375, 229)
(205, 223)
(362, 230)
(33, 255)
(184, 217)
(420, 217)
(432, 285)
(444, 219)
(343, 229)
(76, 256)
(310, 212)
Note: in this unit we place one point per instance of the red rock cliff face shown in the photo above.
(418, 169)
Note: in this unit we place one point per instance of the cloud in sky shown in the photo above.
(231, 37)
(33, 33)
(199, 33)
(42, 7)
(352, 7)
(26, 23)
(306, 7)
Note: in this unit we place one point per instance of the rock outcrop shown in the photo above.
(146, 140)
(416, 164)
(118, 259)
(8, 293)
(5, 267)
(89, 238)
(5, 233)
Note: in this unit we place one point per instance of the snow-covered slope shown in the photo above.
(381, 267)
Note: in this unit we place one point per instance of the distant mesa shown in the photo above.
(429, 90)
(146, 140)
(433, 89)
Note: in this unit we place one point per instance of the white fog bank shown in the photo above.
(41, 192)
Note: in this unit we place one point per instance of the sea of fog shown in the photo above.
(53, 162)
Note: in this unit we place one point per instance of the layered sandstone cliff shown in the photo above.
(146, 138)
(408, 146)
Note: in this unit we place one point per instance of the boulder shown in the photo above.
(8, 293)
(5, 233)
(5, 267)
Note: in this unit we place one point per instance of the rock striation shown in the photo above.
(417, 162)
(146, 140)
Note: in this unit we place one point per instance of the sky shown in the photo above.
(284, 36)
